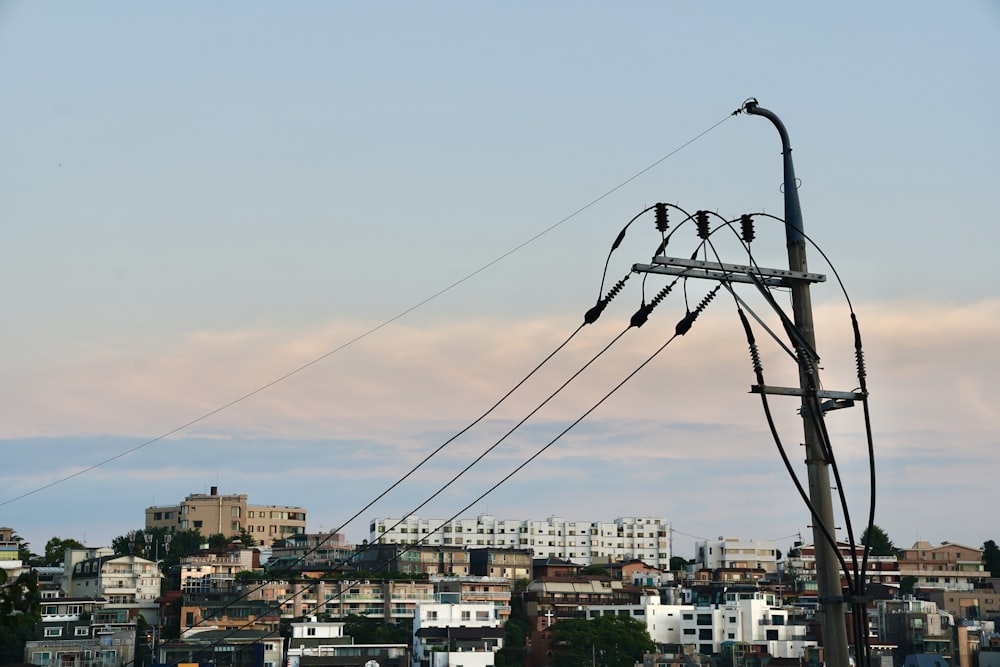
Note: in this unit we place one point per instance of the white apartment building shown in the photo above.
(745, 616)
(456, 633)
(663, 622)
(582, 542)
(736, 553)
(126, 582)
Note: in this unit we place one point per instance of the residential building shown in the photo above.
(584, 542)
(450, 633)
(750, 617)
(10, 560)
(224, 648)
(948, 566)
(228, 514)
(315, 643)
(111, 647)
(306, 550)
(800, 566)
(131, 583)
(736, 553)
(490, 590)
(511, 564)
(980, 603)
(914, 627)
(215, 569)
(402, 558)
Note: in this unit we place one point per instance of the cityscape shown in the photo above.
(216, 573)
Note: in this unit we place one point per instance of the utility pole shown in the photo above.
(831, 597)
(798, 279)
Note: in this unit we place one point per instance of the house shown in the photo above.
(450, 633)
(321, 644)
(126, 582)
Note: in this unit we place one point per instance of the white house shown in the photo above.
(451, 633)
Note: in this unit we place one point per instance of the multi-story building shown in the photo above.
(216, 569)
(975, 605)
(753, 618)
(111, 647)
(512, 564)
(304, 550)
(224, 648)
(10, 560)
(492, 590)
(736, 553)
(914, 626)
(126, 582)
(228, 514)
(948, 566)
(451, 633)
(800, 566)
(324, 643)
(585, 542)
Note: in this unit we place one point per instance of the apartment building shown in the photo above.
(489, 590)
(451, 633)
(800, 566)
(129, 583)
(736, 553)
(228, 514)
(583, 542)
(216, 569)
(948, 566)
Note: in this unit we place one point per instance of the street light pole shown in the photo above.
(831, 598)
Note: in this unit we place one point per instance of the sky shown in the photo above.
(290, 250)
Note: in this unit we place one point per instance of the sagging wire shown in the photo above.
(590, 317)
(858, 598)
(636, 321)
(688, 319)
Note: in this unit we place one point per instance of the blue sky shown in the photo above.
(197, 199)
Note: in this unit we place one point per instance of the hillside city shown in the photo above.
(215, 580)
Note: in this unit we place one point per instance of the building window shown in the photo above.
(705, 633)
(53, 632)
(197, 524)
(466, 615)
(82, 632)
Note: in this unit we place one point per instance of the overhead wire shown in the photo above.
(687, 320)
(374, 329)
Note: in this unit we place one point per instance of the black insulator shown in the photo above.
(591, 315)
(661, 217)
(688, 320)
(746, 227)
(862, 373)
(595, 312)
(640, 316)
(701, 219)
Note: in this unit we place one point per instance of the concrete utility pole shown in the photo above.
(797, 279)
(831, 596)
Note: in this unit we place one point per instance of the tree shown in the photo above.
(678, 564)
(55, 550)
(907, 584)
(365, 630)
(878, 541)
(605, 641)
(20, 613)
(991, 558)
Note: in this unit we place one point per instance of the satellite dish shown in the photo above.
(371, 663)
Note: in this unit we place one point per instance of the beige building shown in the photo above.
(948, 566)
(228, 514)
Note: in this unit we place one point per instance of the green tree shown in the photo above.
(678, 564)
(605, 641)
(991, 558)
(55, 550)
(20, 613)
(515, 635)
(879, 542)
(907, 584)
(365, 630)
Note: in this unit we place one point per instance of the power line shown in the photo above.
(370, 331)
